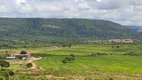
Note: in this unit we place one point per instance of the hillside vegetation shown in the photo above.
(60, 30)
(135, 28)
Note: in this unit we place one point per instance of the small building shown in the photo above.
(127, 41)
(114, 41)
(10, 58)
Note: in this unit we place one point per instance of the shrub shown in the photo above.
(64, 61)
(131, 54)
(29, 65)
(69, 58)
(23, 52)
(117, 46)
(98, 53)
(4, 64)
(72, 55)
(11, 73)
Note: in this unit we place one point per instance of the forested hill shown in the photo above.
(60, 29)
(135, 28)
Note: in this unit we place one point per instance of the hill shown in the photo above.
(135, 28)
(60, 30)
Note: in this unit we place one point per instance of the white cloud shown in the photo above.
(19, 2)
(124, 11)
(3, 8)
(138, 8)
(81, 4)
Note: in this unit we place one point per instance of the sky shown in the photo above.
(125, 12)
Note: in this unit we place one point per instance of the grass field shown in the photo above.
(86, 49)
(113, 64)
(116, 62)
(98, 63)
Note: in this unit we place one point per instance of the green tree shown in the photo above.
(64, 61)
(4, 64)
(29, 65)
(69, 58)
(23, 52)
(72, 55)
(11, 73)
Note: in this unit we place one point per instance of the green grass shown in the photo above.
(92, 48)
(99, 63)
(107, 63)
(81, 49)
(115, 62)
(104, 67)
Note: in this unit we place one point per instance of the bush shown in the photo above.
(131, 54)
(69, 58)
(98, 53)
(11, 73)
(4, 64)
(64, 61)
(29, 65)
(117, 46)
(72, 55)
(23, 52)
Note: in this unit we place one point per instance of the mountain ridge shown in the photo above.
(61, 29)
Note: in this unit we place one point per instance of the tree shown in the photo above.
(64, 61)
(69, 58)
(117, 46)
(72, 55)
(5, 74)
(29, 65)
(23, 52)
(4, 64)
(11, 73)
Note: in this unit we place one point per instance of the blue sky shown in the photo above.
(126, 12)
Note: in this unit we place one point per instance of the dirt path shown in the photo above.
(31, 61)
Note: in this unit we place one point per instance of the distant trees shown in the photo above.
(115, 46)
(67, 45)
(98, 54)
(132, 54)
(69, 58)
(59, 30)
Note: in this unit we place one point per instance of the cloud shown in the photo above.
(3, 9)
(113, 4)
(81, 4)
(121, 11)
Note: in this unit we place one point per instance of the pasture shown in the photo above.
(98, 63)
(92, 61)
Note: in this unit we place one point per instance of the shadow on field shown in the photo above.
(44, 55)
